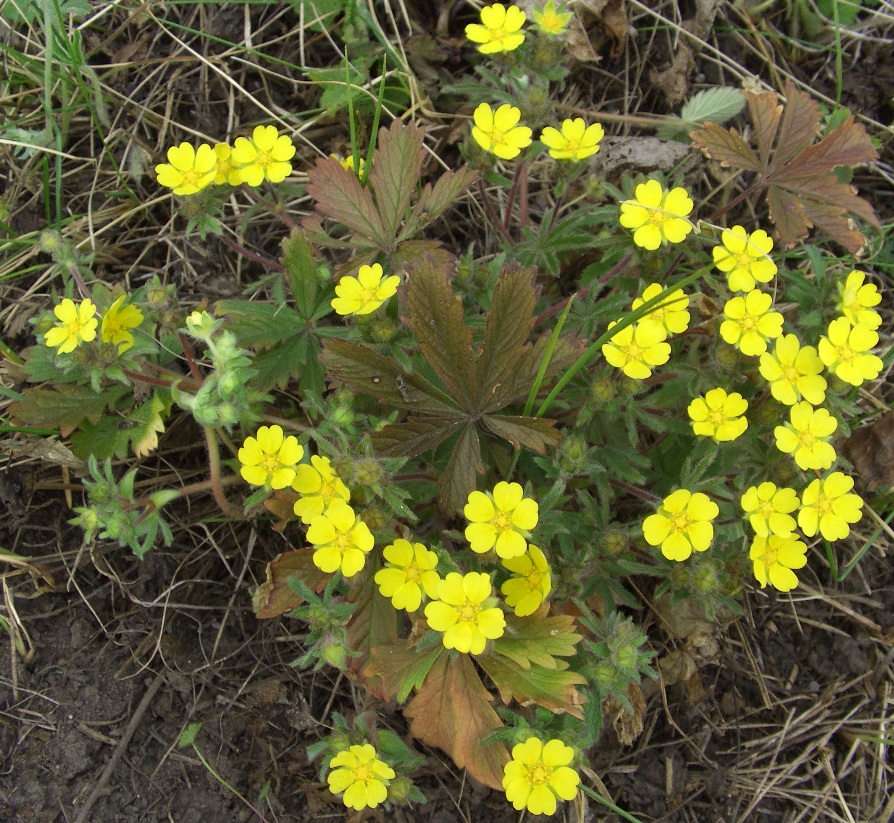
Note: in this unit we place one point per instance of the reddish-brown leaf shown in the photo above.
(397, 164)
(554, 689)
(798, 174)
(373, 623)
(275, 596)
(402, 668)
(452, 710)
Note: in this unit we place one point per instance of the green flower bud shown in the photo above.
(342, 416)
(339, 741)
(399, 791)
(335, 654)
(705, 578)
(615, 542)
(728, 357)
(605, 674)
(572, 453)
(602, 392)
(368, 472)
(200, 325)
(382, 330)
(373, 518)
(626, 658)
(50, 242)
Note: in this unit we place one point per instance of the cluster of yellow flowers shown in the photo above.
(536, 777)
(500, 29)
(76, 323)
(250, 160)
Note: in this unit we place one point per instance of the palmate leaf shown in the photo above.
(458, 478)
(435, 200)
(63, 407)
(534, 433)
(415, 435)
(538, 640)
(275, 596)
(797, 173)
(396, 168)
(402, 668)
(373, 622)
(554, 689)
(452, 710)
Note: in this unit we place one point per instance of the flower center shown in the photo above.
(716, 418)
(502, 521)
(659, 217)
(367, 295)
(539, 774)
(270, 462)
(497, 138)
(191, 176)
(363, 773)
(765, 508)
(790, 373)
(498, 33)
(264, 158)
(635, 352)
(534, 579)
(342, 541)
(770, 556)
(680, 522)
(823, 505)
(413, 574)
(846, 354)
(807, 439)
(468, 612)
(747, 323)
(327, 491)
(743, 260)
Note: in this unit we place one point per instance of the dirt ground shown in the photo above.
(782, 714)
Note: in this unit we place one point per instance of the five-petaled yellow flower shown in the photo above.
(498, 131)
(805, 436)
(750, 322)
(358, 772)
(828, 507)
(364, 293)
(500, 519)
(719, 415)
(637, 349)
(793, 372)
(769, 509)
(845, 352)
(263, 156)
(538, 774)
(575, 141)
(268, 458)
(410, 572)
(188, 170)
(465, 612)
(225, 171)
(745, 258)
(657, 215)
(318, 485)
(340, 539)
(857, 299)
(117, 323)
(775, 557)
(670, 314)
(682, 524)
(499, 29)
(550, 20)
(76, 323)
(530, 583)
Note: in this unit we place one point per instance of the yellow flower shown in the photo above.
(410, 571)
(671, 313)
(682, 524)
(465, 612)
(347, 163)
(269, 459)
(657, 215)
(538, 774)
(530, 583)
(499, 30)
(844, 351)
(805, 436)
(117, 323)
(857, 300)
(358, 772)
(637, 349)
(828, 507)
(364, 293)
(744, 257)
(793, 372)
(498, 131)
(500, 519)
(188, 170)
(769, 509)
(265, 156)
(76, 323)
(550, 20)
(318, 485)
(774, 558)
(575, 141)
(225, 171)
(750, 323)
(718, 415)
(340, 539)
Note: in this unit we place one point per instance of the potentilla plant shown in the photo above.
(496, 455)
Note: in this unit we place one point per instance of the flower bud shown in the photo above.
(615, 542)
(602, 392)
(368, 472)
(399, 791)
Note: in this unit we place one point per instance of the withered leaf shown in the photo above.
(871, 449)
(275, 596)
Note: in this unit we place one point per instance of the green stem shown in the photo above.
(214, 470)
(609, 805)
(224, 783)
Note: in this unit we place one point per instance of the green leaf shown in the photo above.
(369, 372)
(538, 640)
(551, 688)
(534, 433)
(188, 735)
(414, 436)
(260, 324)
(277, 365)
(396, 166)
(340, 196)
(298, 258)
(459, 477)
(402, 668)
(715, 105)
(509, 322)
(436, 316)
(64, 407)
